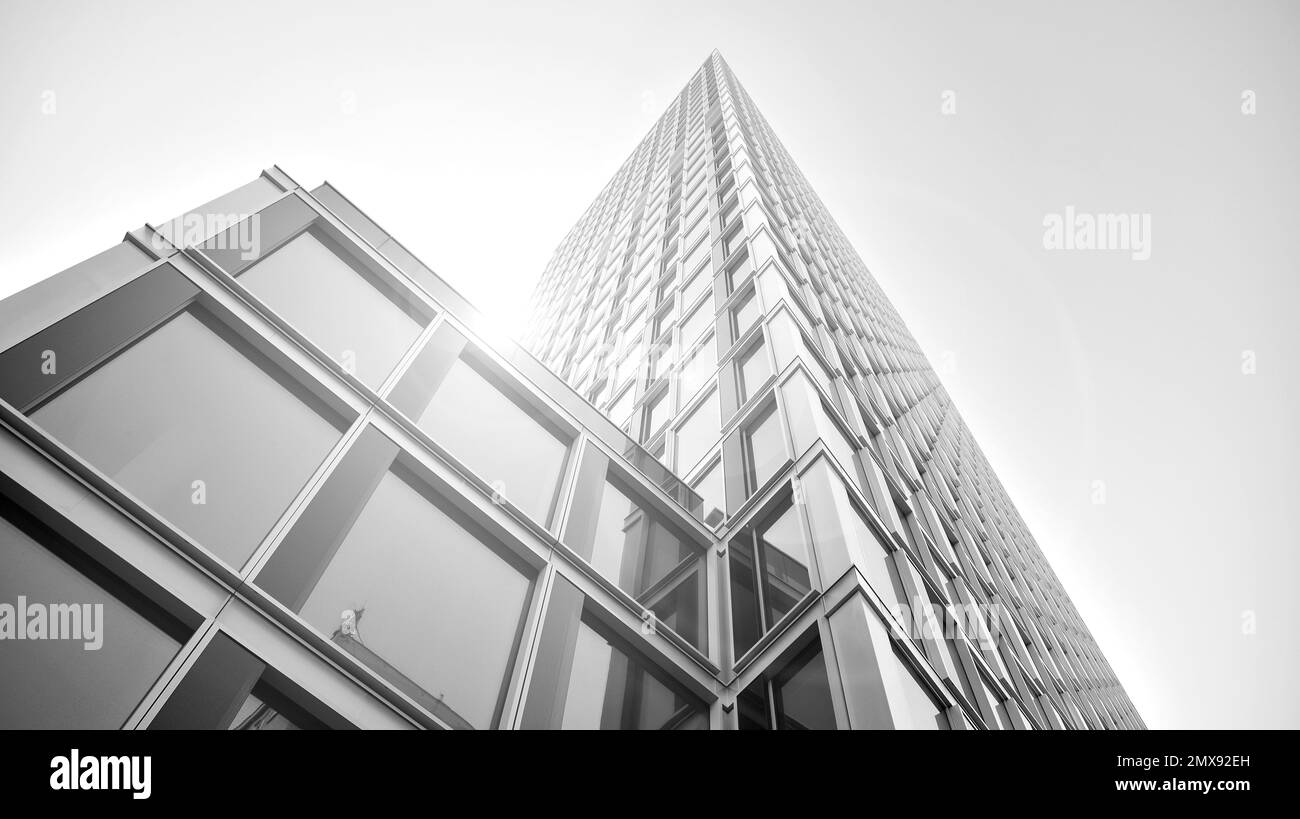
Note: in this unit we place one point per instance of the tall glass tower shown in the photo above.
(262, 468)
(712, 308)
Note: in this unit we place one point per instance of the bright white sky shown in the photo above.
(478, 132)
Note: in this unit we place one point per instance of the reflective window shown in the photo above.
(769, 575)
(342, 308)
(699, 367)
(621, 410)
(712, 490)
(401, 580)
(638, 550)
(610, 689)
(698, 433)
(745, 314)
(796, 696)
(257, 714)
(764, 448)
(753, 369)
(497, 438)
(910, 703)
(108, 654)
(697, 286)
(657, 412)
(224, 689)
(697, 323)
(200, 427)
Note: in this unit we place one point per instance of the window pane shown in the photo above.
(697, 323)
(698, 369)
(712, 491)
(66, 683)
(910, 705)
(608, 689)
(784, 563)
(621, 410)
(497, 439)
(633, 548)
(697, 286)
(746, 614)
(754, 370)
(349, 314)
(194, 423)
(657, 413)
(424, 603)
(766, 448)
(698, 433)
(746, 313)
(803, 693)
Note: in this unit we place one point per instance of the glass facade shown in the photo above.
(178, 434)
(107, 656)
(347, 311)
(428, 528)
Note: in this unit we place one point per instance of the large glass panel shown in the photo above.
(765, 448)
(698, 433)
(657, 412)
(712, 490)
(200, 427)
(803, 693)
(910, 704)
(697, 324)
(697, 286)
(796, 696)
(346, 311)
(497, 438)
(633, 547)
(105, 659)
(609, 689)
(699, 367)
(745, 314)
(769, 575)
(753, 369)
(417, 596)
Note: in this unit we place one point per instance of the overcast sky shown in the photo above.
(477, 133)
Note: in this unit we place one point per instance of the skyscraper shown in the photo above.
(709, 304)
(260, 467)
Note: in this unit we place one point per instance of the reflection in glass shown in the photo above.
(497, 438)
(201, 428)
(797, 696)
(697, 323)
(699, 367)
(753, 369)
(764, 448)
(609, 689)
(910, 704)
(414, 595)
(265, 710)
(345, 310)
(698, 433)
(745, 314)
(47, 684)
(657, 412)
(769, 575)
(646, 558)
(802, 693)
(712, 490)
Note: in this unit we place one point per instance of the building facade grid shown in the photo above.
(314, 490)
